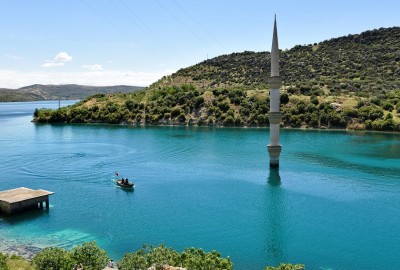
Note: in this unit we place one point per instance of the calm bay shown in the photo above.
(333, 204)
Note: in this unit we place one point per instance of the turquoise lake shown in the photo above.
(333, 204)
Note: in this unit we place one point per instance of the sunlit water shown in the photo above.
(334, 204)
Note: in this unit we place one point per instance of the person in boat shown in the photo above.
(123, 181)
(126, 181)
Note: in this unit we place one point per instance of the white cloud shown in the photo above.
(52, 64)
(94, 67)
(14, 57)
(59, 60)
(16, 79)
(62, 57)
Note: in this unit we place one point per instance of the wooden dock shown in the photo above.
(21, 199)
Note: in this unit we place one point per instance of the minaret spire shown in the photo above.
(274, 148)
(275, 52)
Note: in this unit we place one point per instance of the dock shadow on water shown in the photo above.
(24, 216)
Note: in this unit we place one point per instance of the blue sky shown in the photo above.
(132, 42)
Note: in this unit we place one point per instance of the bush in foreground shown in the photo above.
(18, 263)
(3, 262)
(190, 258)
(52, 258)
(88, 254)
(288, 266)
(94, 258)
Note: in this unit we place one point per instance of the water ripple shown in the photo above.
(348, 165)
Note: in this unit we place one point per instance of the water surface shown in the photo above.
(333, 204)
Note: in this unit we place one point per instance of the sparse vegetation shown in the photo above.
(91, 257)
(284, 266)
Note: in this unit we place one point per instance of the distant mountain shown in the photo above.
(362, 63)
(63, 92)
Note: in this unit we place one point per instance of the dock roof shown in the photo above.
(22, 194)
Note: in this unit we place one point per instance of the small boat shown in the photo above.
(124, 185)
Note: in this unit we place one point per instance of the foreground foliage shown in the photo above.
(3, 262)
(190, 258)
(87, 254)
(288, 266)
(14, 262)
(53, 258)
(91, 257)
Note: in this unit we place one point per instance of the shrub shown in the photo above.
(314, 100)
(262, 120)
(360, 104)
(52, 258)
(295, 121)
(136, 260)
(284, 98)
(198, 101)
(384, 125)
(288, 266)
(224, 106)
(376, 101)
(387, 106)
(90, 256)
(350, 112)
(175, 112)
(36, 112)
(229, 121)
(182, 117)
(130, 104)
(305, 89)
(370, 112)
(3, 262)
(15, 262)
(190, 258)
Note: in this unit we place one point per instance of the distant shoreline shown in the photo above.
(225, 127)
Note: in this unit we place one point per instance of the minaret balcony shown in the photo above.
(274, 82)
(274, 118)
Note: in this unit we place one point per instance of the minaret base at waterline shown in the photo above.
(274, 153)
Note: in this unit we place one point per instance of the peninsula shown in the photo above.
(350, 82)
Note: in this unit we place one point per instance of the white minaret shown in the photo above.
(274, 148)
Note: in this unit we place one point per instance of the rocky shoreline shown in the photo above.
(26, 251)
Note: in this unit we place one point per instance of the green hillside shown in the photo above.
(362, 64)
(348, 82)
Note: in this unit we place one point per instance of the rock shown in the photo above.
(13, 247)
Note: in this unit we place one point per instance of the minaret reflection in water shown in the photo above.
(274, 179)
(275, 220)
